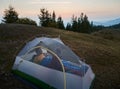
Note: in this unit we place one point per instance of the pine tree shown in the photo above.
(53, 20)
(53, 16)
(74, 23)
(10, 16)
(85, 25)
(60, 23)
(68, 27)
(48, 18)
(44, 17)
(79, 24)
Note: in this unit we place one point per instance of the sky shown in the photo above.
(96, 10)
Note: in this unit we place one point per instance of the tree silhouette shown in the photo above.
(46, 19)
(74, 23)
(85, 25)
(68, 27)
(26, 21)
(43, 17)
(80, 24)
(53, 20)
(53, 16)
(60, 23)
(10, 16)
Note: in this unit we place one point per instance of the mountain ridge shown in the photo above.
(107, 23)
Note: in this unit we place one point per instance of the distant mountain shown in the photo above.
(108, 23)
(116, 26)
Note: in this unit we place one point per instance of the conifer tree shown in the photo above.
(60, 23)
(53, 16)
(53, 20)
(10, 16)
(44, 17)
(81, 24)
(74, 23)
(68, 27)
(85, 25)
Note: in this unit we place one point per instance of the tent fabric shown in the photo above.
(69, 66)
(73, 66)
(56, 45)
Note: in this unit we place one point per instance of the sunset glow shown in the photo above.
(95, 9)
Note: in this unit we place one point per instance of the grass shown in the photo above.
(101, 50)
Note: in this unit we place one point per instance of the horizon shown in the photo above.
(103, 10)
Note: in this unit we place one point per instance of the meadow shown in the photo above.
(101, 50)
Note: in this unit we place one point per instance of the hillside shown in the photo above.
(100, 53)
(109, 33)
(108, 23)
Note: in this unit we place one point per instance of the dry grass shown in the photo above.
(99, 52)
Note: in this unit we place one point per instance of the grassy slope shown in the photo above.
(99, 52)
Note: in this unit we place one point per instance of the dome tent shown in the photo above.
(60, 67)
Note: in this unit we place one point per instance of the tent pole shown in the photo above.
(64, 75)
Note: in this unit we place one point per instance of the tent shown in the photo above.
(49, 64)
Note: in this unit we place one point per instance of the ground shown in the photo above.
(100, 50)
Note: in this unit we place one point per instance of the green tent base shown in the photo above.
(32, 80)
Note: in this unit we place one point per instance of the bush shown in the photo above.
(26, 21)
